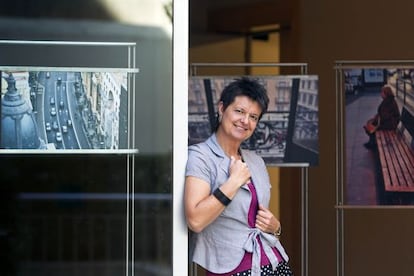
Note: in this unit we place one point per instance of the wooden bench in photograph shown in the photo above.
(396, 155)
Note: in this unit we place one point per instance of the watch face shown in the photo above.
(278, 232)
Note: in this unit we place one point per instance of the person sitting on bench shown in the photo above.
(387, 117)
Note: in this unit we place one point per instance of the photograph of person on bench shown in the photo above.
(380, 105)
(386, 118)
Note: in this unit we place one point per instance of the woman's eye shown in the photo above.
(254, 118)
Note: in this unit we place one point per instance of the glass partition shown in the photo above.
(103, 205)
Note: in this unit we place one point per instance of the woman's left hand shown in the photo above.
(266, 221)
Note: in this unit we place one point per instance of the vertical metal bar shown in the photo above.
(338, 263)
(304, 220)
(304, 69)
(108, 225)
(194, 70)
(132, 166)
(43, 230)
(405, 92)
(132, 181)
(76, 259)
(128, 245)
(193, 266)
(396, 87)
(339, 171)
(90, 224)
(60, 238)
(128, 218)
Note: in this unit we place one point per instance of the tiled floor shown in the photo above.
(360, 174)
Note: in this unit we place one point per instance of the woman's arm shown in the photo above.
(202, 207)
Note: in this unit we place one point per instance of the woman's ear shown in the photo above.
(220, 108)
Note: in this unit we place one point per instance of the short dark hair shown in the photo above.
(243, 86)
(387, 91)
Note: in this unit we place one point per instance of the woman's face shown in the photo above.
(240, 118)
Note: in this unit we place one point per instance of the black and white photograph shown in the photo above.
(286, 134)
(63, 110)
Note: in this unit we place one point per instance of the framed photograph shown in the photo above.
(378, 160)
(287, 134)
(76, 109)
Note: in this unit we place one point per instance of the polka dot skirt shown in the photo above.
(282, 269)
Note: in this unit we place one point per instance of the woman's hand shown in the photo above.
(266, 221)
(239, 172)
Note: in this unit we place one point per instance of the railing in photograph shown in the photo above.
(405, 92)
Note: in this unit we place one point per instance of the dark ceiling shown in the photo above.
(213, 19)
(210, 20)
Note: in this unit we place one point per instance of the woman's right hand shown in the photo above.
(239, 171)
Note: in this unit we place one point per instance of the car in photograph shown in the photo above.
(58, 137)
(69, 122)
(53, 111)
(61, 105)
(47, 75)
(64, 129)
(52, 100)
(55, 125)
(48, 127)
(59, 80)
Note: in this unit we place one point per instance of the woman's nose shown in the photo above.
(245, 118)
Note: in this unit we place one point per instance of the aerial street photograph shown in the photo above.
(63, 110)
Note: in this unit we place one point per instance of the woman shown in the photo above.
(227, 192)
(387, 117)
